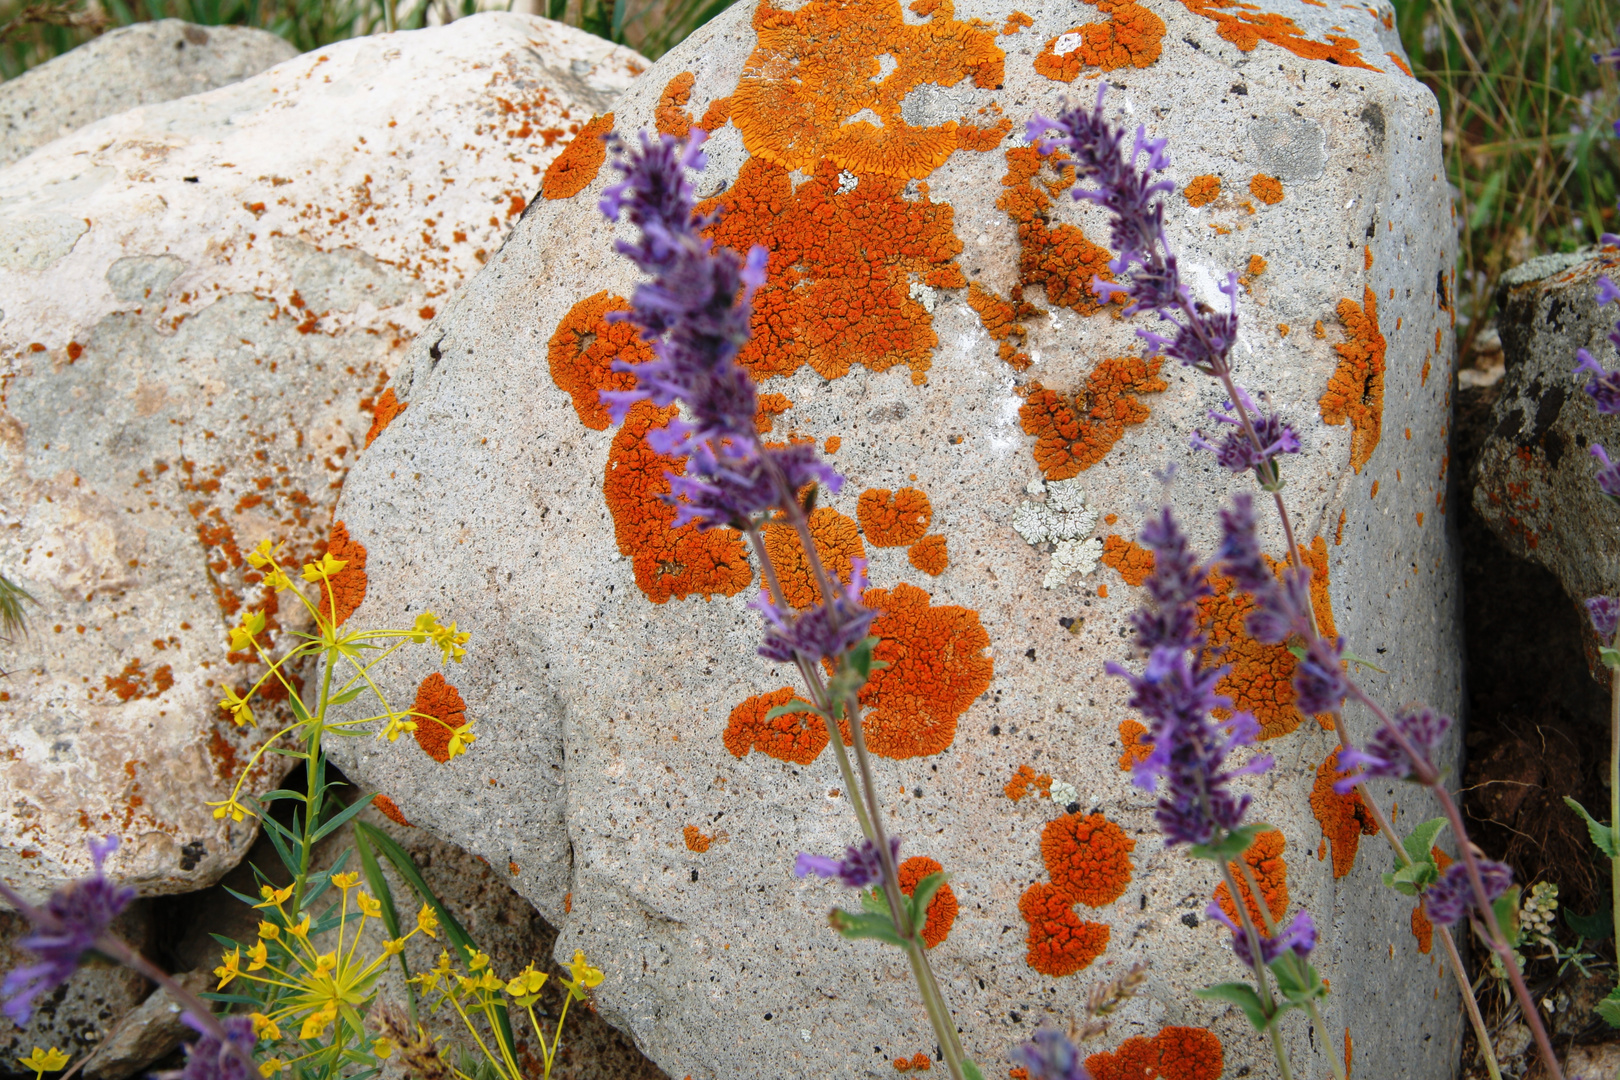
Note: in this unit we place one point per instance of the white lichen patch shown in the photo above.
(1064, 793)
(925, 295)
(1065, 522)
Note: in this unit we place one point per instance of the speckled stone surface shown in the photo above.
(607, 773)
(201, 301)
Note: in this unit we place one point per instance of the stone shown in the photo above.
(1535, 483)
(624, 768)
(151, 1032)
(78, 1015)
(1593, 1062)
(203, 301)
(143, 64)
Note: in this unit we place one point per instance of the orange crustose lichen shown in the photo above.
(1345, 818)
(582, 351)
(837, 542)
(1134, 563)
(770, 407)
(929, 555)
(1058, 258)
(1268, 189)
(1088, 862)
(438, 711)
(941, 909)
(1202, 190)
(1175, 1053)
(695, 839)
(1001, 320)
(388, 406)
(346, 588)
(796, 737)
(1355, 392)
(1016, 22)
(390, 810)
(668, 562)
(572, 171)
(815, 71)
(1422, 929)
(1129, 37)
(671, 117)
(1249, 26)
(1071, 436)
(1265, 858)
(918, 1062)
(1134, 747)
(838, 290)
(1257, 265)
(894, 518)
(1025, 779)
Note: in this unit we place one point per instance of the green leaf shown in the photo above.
(859, 658)
(1409, 880)
(1419, 843)
(923, 895)
(1506, 908)
(1594, 927)
(340, 820)
(874, 901)
(794, 706)
(1609, 1008)
(971, 1071)
(1610, 657)
(347, 695)
(1243, 996)
(866, 924)
(1235, 844)
(1602, 835)
(1297, 980)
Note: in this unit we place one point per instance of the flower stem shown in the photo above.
(1253, 935)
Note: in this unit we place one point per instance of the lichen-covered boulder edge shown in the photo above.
(927, 321)
(202, 303)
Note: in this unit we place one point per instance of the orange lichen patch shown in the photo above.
(816, 69)
(1074, 436)
(1257, 265)
(1349, 1048)
(837, 542)
(1282, 329)
(1202, 190)
(982, 139)
(1250, 26)
(936, 668)
(1025, 779)
(1175, 1053)
(346, 588)
(1058, 258)
(671, 117)
(1088, 858)
(832, 444)
(390, 810)
(132, 682)
(1000, 318)
(1345, 818)
(572, 171)
(1016, 22)
(941, 909)
(388, 406)
(668, 562)
(929, 555)
(1355, 392)
(582, 351)
(838, 291)
(696, 840)
(1422, 929)
(438, 711)
(1059, 942)
(1265, 858)
(1129, 37)
(1133, 563)
(1268, 189)
(1366, 257)
(795, 737)
(1398, 62)
(918, 1062)
(894, 519)
(1134, 745)
(770, 407)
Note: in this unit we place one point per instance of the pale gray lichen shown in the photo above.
(1066, 522)
(1063, 793)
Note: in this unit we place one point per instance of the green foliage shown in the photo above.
(1232, 845)
(1244, 997)
(1413, 877)
(1602, 835)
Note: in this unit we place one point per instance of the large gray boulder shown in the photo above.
(143, 64)
(623, 769)
(202, 304)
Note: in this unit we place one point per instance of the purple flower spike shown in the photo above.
(1452, 897)
(1298, 937)
(1050, 1056)
(1176, 585)
(1424, 729)
(1604, 385)
(1281, 608)
(1236, 452)
(1319, 682)
(1605, 615)
(817, 633)
(63, 931)
(860, 867)
(1608, 476)
(209, 1059)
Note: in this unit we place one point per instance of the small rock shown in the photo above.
(81, 1013)
(147, 1034)
(1593, 1062)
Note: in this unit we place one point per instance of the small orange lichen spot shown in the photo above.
(668, 562)
(1257, 265)
(837, 542)
(1133, 563)
(816, 69)
(941, 909)
(74, 351)
(1374, 493)
(390, 810)
(1355, 392)
(1422, 929)
(695, 840)
(345, 589)
(1420, 519)
(1109, 519)
(1338, 534)
(671, 117)
(929, 555)
(1175, 1053)
(1268, 189)
(770, 407)
(1345, 818)
(1016, 22)
(1134, 744)
(1251, 25)
(1000, 318)
(1071, 436)
(582, 351)
(1102, 592)
(513, 867)
(1319, 330)
(1321, 849)
(572, 171)
(438, 711)
(1265, 858)
(1423, 378)
(795, 737)
(1282, 329)
(1025, 779)
(1088, 858)
(1059, 259)
(1366, 256)
(1129, 37)
(1349, 1049)
(388, 406)
(1202, 190)
(936, 668)
(832, 444)
(894, 519)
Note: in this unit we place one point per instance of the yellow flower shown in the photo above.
(426, 624)
(527, 984)
(460, 738)
(346, 881)
(277, 580)
(230, 806)
(237, 706)
(383, 1048)
(319, 571)
(393, 946)
(261, 555)
(479, 961)
(428, 923)
(273, 898)
(317, 1022)
(242, 636)
(302, 929)
(265, 1028)
(269, 931)
(324, 963)
(44, 1061)
(258, 956)
(230, 969)
(489, 981)
(449, 641)
(369, 906)
(270, 1066)
(584, 976)
(396, 726)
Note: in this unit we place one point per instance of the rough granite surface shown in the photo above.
(143, 64)
(623, 769)
(202, 301)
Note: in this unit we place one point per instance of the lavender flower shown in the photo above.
(1050, 1056)
(1237, 452)
(1608, 477)
(70, 924)
(1319, 682)
(1605, 614)
(1422, 727)
(1604, 385)
(1298, 937)
(1452, 897)
(817, 633)
(1281, 608)
(209, 1059)
(860, 866)
(1176, 585)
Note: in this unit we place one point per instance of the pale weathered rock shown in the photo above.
(78, 1015)
(1536, 480)
(606, 694)
(143, 64)
(202, 299)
